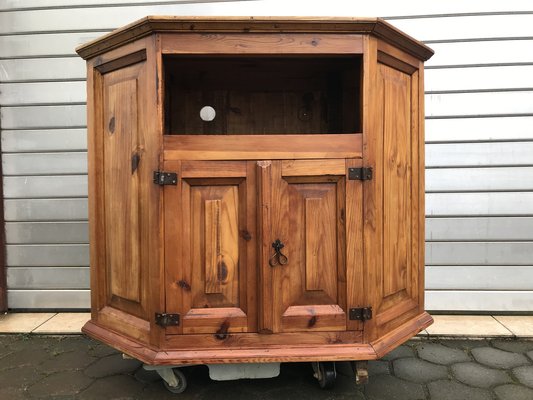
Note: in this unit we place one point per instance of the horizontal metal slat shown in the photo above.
(49, 299)
(479, 129)
(46, 232)
(481, 52)
(45, 186)
(479, 78)
(44, 140)
(44, 44)
(479, 204)
(472, 301)
(479, 154)
(44, 163)
(66, 255)
(479, 179)
(47, 278)
(479, 253)
(479, 229)
(45, 209)
(487, 277)
(42, 93)
(34, 69)
(34, 117)
(467, 26)
(479, 103)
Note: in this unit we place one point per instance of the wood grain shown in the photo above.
(271, 147)
(201, 248)
(282, 43)
(207, 232)
(287, 25)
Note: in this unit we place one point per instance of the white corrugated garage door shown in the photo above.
(479, 130)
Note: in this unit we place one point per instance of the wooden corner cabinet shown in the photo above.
(256, 189)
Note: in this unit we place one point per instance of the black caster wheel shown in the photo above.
(181, 382)
(325, 373)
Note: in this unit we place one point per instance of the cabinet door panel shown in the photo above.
(208, 247)
(123, 197)
(393, 275)
(306, 207)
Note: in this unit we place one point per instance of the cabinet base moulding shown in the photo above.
(273, 353)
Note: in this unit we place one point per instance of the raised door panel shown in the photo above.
(394, 283)
(305, 282)
(122, 193)
(209, 222)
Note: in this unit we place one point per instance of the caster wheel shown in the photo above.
(180, 380)
(325, 373)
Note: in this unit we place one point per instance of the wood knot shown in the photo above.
(111, 125)
(246, 235)
(222, 332)
(184, 285)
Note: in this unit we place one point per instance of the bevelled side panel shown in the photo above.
(122, 157)
(392, 239)
(396, 179)
(122, 206)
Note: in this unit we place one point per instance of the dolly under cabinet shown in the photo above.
(256, 190)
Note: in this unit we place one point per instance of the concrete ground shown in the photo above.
(75, 367)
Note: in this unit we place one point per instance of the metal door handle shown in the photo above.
(278, 258)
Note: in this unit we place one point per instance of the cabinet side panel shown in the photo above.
(392, 236)
(396, 179)
(121, 190)
(123, 144)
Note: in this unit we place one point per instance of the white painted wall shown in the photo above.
(479, 134)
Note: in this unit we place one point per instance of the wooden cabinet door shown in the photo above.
(316, 212)
(210, 246)
(394, 236)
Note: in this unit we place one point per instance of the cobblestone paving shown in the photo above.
(74, 367)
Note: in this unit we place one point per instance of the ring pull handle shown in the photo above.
(278, 258)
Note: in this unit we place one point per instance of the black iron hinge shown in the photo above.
(361, 314)
(165, 178)
(164, 320)
(360, 174)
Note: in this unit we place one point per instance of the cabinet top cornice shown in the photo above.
(176, 24)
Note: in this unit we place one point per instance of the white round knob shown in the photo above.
(207, 113)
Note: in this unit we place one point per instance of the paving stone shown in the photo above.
(497, 358)
(480, 376)
(11, 393)
(65, 344)
(513, 345)
(20, 377)
(465, 344)
(439, 354)
(524, 375)
(21, 357)
(72, 360)
(416, 370)
(113, 387)
(387, 387)
(66, 383)
(513, 392)
(399, 352)
(111, 365)
(101, 350)
(451, 390)
(530, 354)
(378, 367)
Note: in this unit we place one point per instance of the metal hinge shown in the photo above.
(360, 174)
(163, 319)
(361, 314)
(165, 178)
